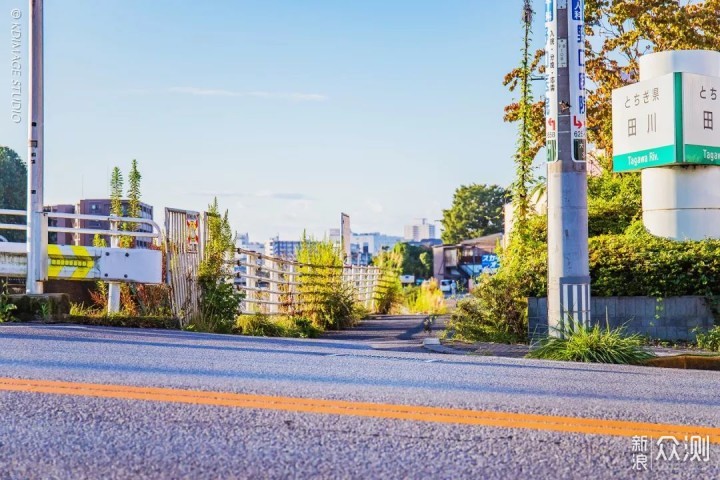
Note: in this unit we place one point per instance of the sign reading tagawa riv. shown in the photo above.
(666, 120)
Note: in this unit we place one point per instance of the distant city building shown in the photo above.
(61, 238)
(242, 240)
(422, 231)
(282, 248)
(374, 243)
(100, 207)
(335, 235)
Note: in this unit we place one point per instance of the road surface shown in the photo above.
(87, 402)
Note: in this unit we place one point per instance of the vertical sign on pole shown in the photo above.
(345, 237)
(576, 42)
(36, 244)
(568, 269)
(551, 71)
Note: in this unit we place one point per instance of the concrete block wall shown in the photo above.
(671, 319)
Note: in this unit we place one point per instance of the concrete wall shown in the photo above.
(666, 319)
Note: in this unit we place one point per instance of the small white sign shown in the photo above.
(562, 53)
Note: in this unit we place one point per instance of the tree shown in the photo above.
(133, 196)
(116, 192)
(477, 210)
(116, 207)
(133, 193)
(406, 259)
(13, 191)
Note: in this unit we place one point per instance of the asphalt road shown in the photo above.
(74, 414)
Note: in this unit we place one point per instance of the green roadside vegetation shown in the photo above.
(594, 344)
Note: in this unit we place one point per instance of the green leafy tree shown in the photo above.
(477, 210)
(13, 190)
(406, 259)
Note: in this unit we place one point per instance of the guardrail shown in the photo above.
(76, 262)
(113, 232)
(276, 285)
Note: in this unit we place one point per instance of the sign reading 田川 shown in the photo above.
(666, 120)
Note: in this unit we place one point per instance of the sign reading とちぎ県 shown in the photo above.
(666, 120)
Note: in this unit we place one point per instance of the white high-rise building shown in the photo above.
(418, 232)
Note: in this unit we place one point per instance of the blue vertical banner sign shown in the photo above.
(576, 64)
(551, 66)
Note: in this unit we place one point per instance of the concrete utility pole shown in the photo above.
(36, 233)
(568, 269)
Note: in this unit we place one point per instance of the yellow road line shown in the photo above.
(591, 426)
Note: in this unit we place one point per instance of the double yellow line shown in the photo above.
(590, 426)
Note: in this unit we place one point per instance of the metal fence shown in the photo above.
(274, 285)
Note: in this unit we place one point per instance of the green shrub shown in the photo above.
(469, 323)
(594, 344)
(614, 202)
(709, 340)
(6, 308)
(276, 326)
(496, 312)
(219, 301)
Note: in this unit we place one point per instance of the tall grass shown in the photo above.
(594, 344)
(325, 299)
(428, 298)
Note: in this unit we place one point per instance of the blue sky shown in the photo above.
(290, 111)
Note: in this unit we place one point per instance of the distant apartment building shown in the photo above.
(422, 231)
(282, 248)
(100, 207)
(61, 238)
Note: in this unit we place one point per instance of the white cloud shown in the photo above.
(374, 206)
(292, 96)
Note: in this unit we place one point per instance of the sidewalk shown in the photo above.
(521, 349)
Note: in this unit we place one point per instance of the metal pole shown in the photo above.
(36, 244)
(568, 270)
(113, 305)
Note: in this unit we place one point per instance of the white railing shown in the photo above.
(275, 285)
(156, 233)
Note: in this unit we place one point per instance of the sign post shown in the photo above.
(36, 234)
(568, 269)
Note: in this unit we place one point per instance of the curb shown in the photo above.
(433, 344)
(684, 361)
